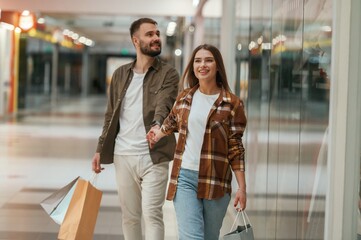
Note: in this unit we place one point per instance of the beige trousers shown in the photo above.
(141, 189)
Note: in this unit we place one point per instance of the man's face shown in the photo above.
(147, 40)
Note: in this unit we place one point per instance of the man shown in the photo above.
(141, 95)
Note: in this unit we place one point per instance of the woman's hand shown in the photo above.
(240, 201)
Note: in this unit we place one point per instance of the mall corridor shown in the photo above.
(295, 64)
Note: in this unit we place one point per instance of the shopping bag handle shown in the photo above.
(94, 179)
(244, 216)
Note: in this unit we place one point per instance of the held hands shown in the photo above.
(152, 137)
(241, 199)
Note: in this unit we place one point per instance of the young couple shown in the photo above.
(210, 121)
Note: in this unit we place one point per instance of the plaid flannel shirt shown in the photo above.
(222, 148)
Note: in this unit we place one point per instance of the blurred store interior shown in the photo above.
(295, 63)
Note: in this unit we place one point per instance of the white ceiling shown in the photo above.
(107, 21)
(114, 7)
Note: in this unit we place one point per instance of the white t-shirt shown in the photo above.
(197, 121)
(131, 137)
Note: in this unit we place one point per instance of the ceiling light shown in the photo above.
(191, 28)
(18, 30)
(82, 39)
(171, 28)
(326, 28)
(252, 45)
(239, 47)
(89, 42)
(41, 20)
(66, 32)
(75, 36)
(26, 20)
(260, 40)
(178, 52)
(25, 13)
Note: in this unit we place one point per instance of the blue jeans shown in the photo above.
(198, 219)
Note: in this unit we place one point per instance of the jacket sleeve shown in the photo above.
(166, 96)
(170, 123)
(108, 113)
(236, 151)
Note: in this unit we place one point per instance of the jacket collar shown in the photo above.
(156, 64)
(225, 95)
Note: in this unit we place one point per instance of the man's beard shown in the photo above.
(146, 50)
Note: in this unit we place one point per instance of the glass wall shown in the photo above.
(287, 101)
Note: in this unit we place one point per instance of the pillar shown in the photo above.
(85, 73)
(345, 120)
(228, 48)
(54, 75)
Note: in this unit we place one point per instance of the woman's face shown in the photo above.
(204, 66)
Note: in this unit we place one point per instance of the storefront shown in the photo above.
(39, 62)
(9, 58)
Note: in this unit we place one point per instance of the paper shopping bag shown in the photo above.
(57, 203)
(80, 218)
(244, 232)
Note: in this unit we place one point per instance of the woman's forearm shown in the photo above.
(241, 180)
(159, 135)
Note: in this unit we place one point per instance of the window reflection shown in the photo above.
(288, 85)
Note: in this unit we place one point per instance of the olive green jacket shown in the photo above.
(160, 88)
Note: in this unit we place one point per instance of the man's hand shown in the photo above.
(96, 163)
(152, 136)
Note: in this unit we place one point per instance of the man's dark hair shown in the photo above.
(136, 24)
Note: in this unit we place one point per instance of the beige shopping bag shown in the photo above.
(80, 218)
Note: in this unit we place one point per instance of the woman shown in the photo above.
(210, 121)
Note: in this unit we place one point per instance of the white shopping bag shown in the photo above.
(57, 203)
